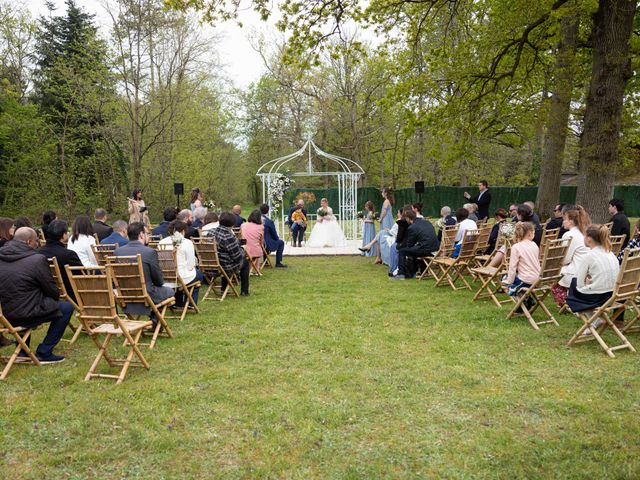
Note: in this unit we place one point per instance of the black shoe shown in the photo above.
(280, 265)
(51, 358)
(363, 250)
(244, 294)
(5, 342)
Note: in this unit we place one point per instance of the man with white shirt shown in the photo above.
(483, 199)
(464, 223)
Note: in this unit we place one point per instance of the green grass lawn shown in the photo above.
(330, 370)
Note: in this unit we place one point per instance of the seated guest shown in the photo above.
(422, 241)
(56, 246)
(298, 224)
(237, 210)
(513, 212)
(500, 216)
(186, 258)
(385, 242)
(82, 239)
(472, 208)
(230, 253)
(100, 226)
(596, 274)
(525, 214)
(524, 262)
(464, 223)
(198, 214)
(47, 217)
(253, 232)
(153, 279)
(210, 222)
(621, 225)
(169, 215)
(28, 293)
(186, 216)
(399, 240)
(119, 234)
(556, 221)
(272, 241)
(446, 220)
(633, 243)
(289, 222)
(532, 206)
(20, 222)
(417, 207)
(576, 221)
(6, 230)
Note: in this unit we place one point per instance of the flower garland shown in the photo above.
(278, 186)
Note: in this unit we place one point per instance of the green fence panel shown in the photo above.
(436, 197)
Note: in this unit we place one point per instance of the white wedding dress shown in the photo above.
(327, 233)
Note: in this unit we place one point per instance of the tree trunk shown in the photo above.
(558, 118)
(611, 68)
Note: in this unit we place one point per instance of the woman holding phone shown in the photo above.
(138, 211)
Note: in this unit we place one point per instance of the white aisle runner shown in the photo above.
(350, 249)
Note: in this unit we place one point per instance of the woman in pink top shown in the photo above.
(253, 232)
(524, 263)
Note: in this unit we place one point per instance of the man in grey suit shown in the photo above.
(150, 265)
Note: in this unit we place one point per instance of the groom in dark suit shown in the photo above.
(271, 240)
(483, 199)
(422, 241)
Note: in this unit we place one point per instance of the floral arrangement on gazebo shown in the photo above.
(279, 185)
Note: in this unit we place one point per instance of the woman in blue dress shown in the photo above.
(369, 229)
(386, 214)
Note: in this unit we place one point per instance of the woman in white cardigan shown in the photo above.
(575, 221)
(597, 272)
(81, 241)
(186, 258)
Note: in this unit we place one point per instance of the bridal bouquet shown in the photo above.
(209, 205)
(322, 212)
(508, 230)
(361, 214)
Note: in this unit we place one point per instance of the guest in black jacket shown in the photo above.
(100, 226)
(500, 215)
(28, 293)
(621, 225)
(169, 215)
(47, 217)
(186, 216)
(237, 210)
(483, 199)
(557, 220)
(56, 246)
(421, 241)
(525, 214)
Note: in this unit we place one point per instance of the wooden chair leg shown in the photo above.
(101, 352)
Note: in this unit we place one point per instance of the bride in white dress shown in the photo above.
(327, 231)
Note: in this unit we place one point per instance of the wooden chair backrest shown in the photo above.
(447, 242)
(93, 288)
(469, 244)
(237, 231)
(548, 234)
(616, 243)
(553, 260)
(628, 281)
(102, 251)
(155, 238)
(207, 250)
(128, 277)
(481, 223)
(95, 235)
(483, 237)
(167, 256)
(57, 276)
(153, 244)
(608, 225)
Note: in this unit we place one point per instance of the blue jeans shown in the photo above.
(181, 297)
(57, 326)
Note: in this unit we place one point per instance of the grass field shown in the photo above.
(330, 370)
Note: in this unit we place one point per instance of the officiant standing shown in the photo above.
(483, 199)
(138, 211)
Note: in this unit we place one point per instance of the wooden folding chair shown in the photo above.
(93, 288)
(481, 257)
(254, 263)
(266, 258)
(460, 265)
(95, 235)
(102, 251)
(41, 240)
(21, 334)
(616, 243)
(548, 234)
(552, 260)
(210, 266)
(624, 296)
(64, 295)
(172, 279)
(237, 231)
(491, 278)
(445, 250)
(128, 277)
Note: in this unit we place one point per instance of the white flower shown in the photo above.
(176, 239)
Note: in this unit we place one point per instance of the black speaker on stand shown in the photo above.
(419, 186)
(178, 189)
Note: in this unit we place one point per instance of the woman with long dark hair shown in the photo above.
(6, 230)
(47, 217)
(196, 199)
(138, 211)
(82, 239)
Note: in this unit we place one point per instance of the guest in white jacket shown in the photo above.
(575, 221)
(186, 258)
(82, 239)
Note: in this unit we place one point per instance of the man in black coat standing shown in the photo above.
(483, 199)
(56, 246)
(621, 225)
(28, 293)
(422, 241)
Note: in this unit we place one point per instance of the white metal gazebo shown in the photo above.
(346, 171)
